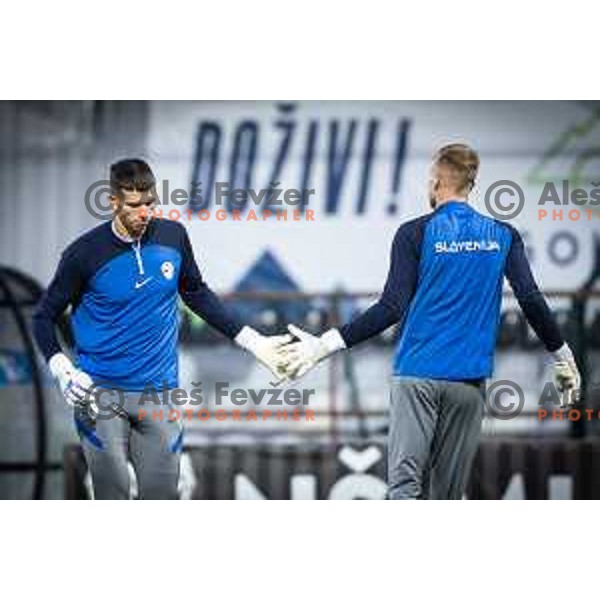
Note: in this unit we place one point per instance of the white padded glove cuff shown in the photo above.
(564, 353)
(248, 339)
(333, 341)
(60, 365)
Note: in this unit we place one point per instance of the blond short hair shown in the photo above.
(460, 165)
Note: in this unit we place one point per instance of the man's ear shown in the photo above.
(116, 203)
(434, 187)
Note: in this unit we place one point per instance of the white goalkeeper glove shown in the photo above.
(75, 385)
(303, 355)
(566, 376)
(265, 349)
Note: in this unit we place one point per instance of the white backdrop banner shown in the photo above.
(365, 166)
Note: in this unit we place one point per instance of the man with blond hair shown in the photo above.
(445, 288)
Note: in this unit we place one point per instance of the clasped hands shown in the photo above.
(292, 355)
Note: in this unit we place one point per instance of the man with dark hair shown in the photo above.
(445, 287)
(122, 280)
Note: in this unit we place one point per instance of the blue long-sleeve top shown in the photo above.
(445, 288)
(123, 298)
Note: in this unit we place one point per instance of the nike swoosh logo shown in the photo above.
(139, 284)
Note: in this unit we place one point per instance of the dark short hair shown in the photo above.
(131, 174)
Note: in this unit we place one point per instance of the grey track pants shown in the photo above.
(434, 434)
(152, 445)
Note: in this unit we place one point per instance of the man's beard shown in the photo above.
(132, 231)
(137, 230)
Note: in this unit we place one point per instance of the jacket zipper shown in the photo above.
(138, 256)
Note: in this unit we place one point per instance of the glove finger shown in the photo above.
(283, 350)
(294, 361)
(290, 349)
(81, 394)
(274, 366)
(84, 382)
(286, 357)
(294, 368)
(274, 357)
(280, 379)
(72, 393)
(293, 376)
(299, 333)
(69, 398)
(292, 357)
(568, 398)
(281, 340)
(304, 368)
(294, 354)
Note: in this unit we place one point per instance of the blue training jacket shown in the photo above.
(445, 286)
(123, 298)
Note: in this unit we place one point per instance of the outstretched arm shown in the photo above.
(540, 317)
